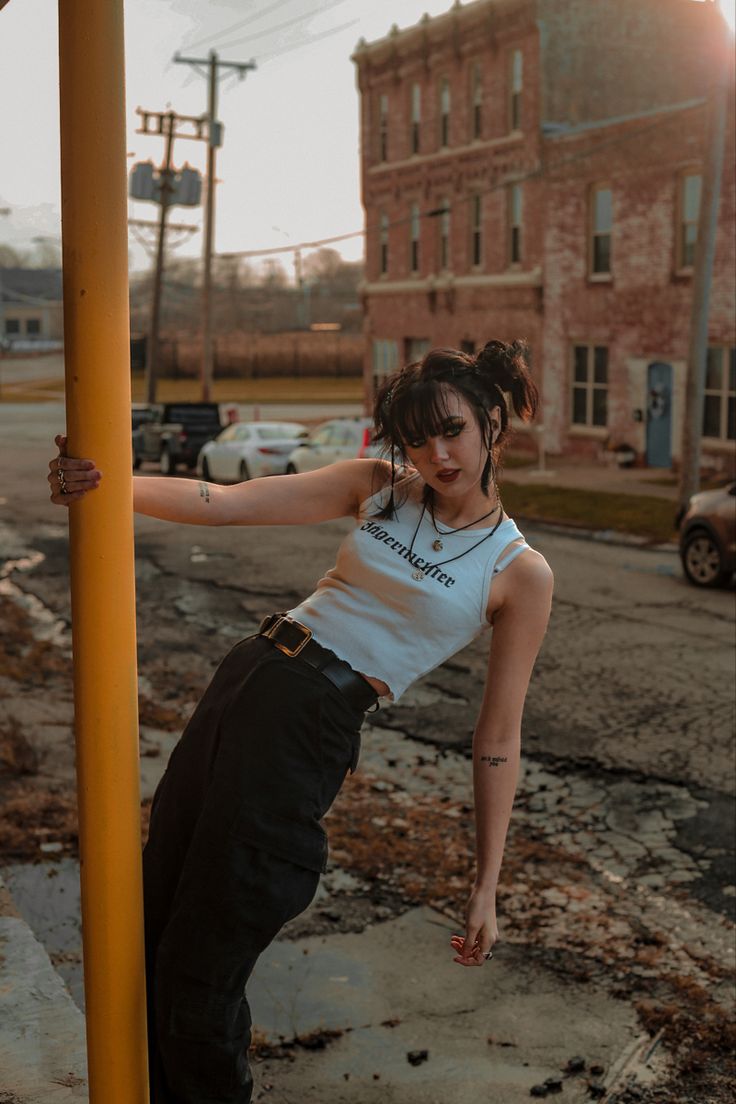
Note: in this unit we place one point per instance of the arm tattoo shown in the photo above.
(204, 492)
(493, 760)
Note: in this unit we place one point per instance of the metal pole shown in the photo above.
(209, 230)
(702, 276)
(97, 351)
(152, 346)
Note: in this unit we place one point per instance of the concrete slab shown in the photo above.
(42, 1044)
(490, 1033)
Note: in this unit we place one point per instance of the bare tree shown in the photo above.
(13, 258)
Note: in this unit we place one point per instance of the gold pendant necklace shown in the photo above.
(420, 573)
(437, 544)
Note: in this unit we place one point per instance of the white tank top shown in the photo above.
(372, 612)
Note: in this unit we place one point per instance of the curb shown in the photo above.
(42, 1033)
(604, 536)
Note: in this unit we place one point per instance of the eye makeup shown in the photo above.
(452, 427)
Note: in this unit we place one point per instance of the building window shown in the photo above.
(416, 117)
(415, 348)
(383, 245)
(383, 127)
(601, 225)
(719, 409)
(515, 223)
(12, 325)
(476, 101)
(476, 230)
(444, 112)
(33, 327)
(414, 240)
(385, 359)
(688, 210)
(445, 235)
(590, 385)
(517, 77)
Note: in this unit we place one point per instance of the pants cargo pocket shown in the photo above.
(302, 842)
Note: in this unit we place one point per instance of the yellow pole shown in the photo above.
(96, 338)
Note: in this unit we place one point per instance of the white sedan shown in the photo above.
(245, 450)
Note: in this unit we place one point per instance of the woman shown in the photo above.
(235, 846)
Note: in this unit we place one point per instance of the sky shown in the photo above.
(289, 166)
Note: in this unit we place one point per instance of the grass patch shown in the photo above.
(47, 390)
(640, 515)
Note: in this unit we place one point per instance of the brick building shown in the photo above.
(532, 168)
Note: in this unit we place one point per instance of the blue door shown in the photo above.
(659, 415)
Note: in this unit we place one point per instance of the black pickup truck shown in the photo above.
(169, 434)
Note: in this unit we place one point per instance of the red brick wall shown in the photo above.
(643, 313)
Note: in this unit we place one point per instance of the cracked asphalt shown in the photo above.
(620, 861)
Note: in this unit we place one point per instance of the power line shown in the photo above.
(209, 40)
(315, 38)
(292, 248)
(283, 26)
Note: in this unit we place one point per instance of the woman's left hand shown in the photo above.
(481, 930)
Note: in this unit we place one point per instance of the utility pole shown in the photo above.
(153, 346)
(163, 123)
(702, 277)
(214, 139)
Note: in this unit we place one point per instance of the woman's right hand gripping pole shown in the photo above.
(71, 479)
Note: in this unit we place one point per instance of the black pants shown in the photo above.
(235, 850)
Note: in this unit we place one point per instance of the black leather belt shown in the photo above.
(294, 639)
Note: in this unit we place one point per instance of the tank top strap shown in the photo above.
(508, 532)
(504, 561)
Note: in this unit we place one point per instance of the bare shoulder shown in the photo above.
(371, 476)
(376, 474)
(532, 570)
(526, 585)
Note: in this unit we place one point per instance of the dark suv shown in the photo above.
(170, 434)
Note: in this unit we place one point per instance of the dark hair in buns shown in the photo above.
(411, 404)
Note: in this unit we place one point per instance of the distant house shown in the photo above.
(532, 168)
(30, 308)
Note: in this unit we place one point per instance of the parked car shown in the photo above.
(339, 439)
(248, 449)
(140, 414)
(174, 433)
(707, 527)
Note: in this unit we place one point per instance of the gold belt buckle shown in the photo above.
(291, 652)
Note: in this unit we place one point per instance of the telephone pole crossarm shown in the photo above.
(153, 124)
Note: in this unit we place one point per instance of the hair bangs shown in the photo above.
(421, 411)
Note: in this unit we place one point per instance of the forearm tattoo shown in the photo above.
(493, 760)
(204, 492)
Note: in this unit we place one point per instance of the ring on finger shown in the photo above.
(62, 481)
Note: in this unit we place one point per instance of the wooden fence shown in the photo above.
(261, 356)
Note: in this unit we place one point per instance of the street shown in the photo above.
(617, 897)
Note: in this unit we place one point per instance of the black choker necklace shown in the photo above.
(437, 544)
(420, 573)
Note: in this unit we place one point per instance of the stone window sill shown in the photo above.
(597, 432)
